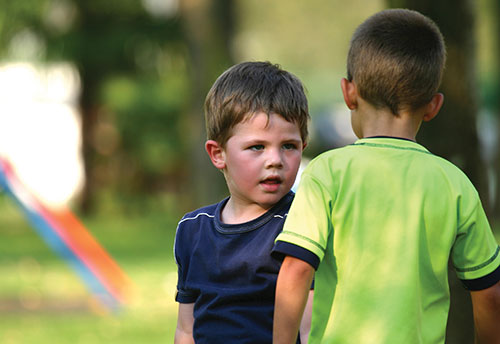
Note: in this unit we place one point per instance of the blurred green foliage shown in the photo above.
(144, 116)
(141, 84)
(313, 40)
(131, 59)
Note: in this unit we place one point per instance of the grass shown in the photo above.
(42, 300)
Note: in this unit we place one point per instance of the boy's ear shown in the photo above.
(433, 107)
(350, 93)
(216, 154)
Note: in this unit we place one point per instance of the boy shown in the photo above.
(256, 118)
(379, 219)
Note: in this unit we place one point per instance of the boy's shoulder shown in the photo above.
(205, 212)
(378, 150)
(189, 226)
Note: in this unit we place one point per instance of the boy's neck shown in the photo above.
(391, 131)
(382, 122)
(235, 213)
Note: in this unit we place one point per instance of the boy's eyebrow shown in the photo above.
(260, 140)
(293, 140)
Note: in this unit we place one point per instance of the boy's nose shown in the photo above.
(274, 159)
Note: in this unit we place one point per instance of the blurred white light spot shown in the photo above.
(60, 15)
(161, 8)
(40, 130)
(26, 44)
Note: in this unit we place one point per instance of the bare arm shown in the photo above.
(292, 291)
(185, 321)
(486, 308)
(305, 324)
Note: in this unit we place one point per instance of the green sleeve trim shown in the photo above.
(480, 266)
(305, 239)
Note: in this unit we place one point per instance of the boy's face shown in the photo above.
(261, 160)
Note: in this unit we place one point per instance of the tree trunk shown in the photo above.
(452, 134)
(89, 116)
(208, 25)
(90, 82)
(496, 205)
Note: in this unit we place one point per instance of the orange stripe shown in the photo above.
(91, 251)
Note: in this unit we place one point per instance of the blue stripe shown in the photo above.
(44, 229)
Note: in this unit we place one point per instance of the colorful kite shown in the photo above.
(66, 235)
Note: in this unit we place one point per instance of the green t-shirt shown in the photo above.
(383, 216)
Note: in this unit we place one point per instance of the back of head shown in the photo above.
(251, 87)
(396, 59)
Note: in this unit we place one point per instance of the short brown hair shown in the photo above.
(396, 59)
(251, 87)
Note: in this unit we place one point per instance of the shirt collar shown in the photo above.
(390, 142)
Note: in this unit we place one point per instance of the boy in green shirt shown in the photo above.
(379, 219)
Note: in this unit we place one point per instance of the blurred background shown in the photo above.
(101, 110)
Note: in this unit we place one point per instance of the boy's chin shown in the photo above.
(269, 199)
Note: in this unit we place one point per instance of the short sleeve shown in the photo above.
(183, 294)
(308, 221)
(475, 253)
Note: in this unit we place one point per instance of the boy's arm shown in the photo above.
(292, 290)
(185, 321)
(486, 308)
(305, 324)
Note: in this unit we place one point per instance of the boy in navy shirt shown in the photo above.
(256, 118)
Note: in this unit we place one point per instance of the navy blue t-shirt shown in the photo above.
(229, 274)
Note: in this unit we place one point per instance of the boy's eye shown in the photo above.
(289, 146)
(256, 147)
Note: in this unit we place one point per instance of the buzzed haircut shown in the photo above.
(251, 87)
(396, 59)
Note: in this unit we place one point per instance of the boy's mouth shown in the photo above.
(271, 184)
(272, 180)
